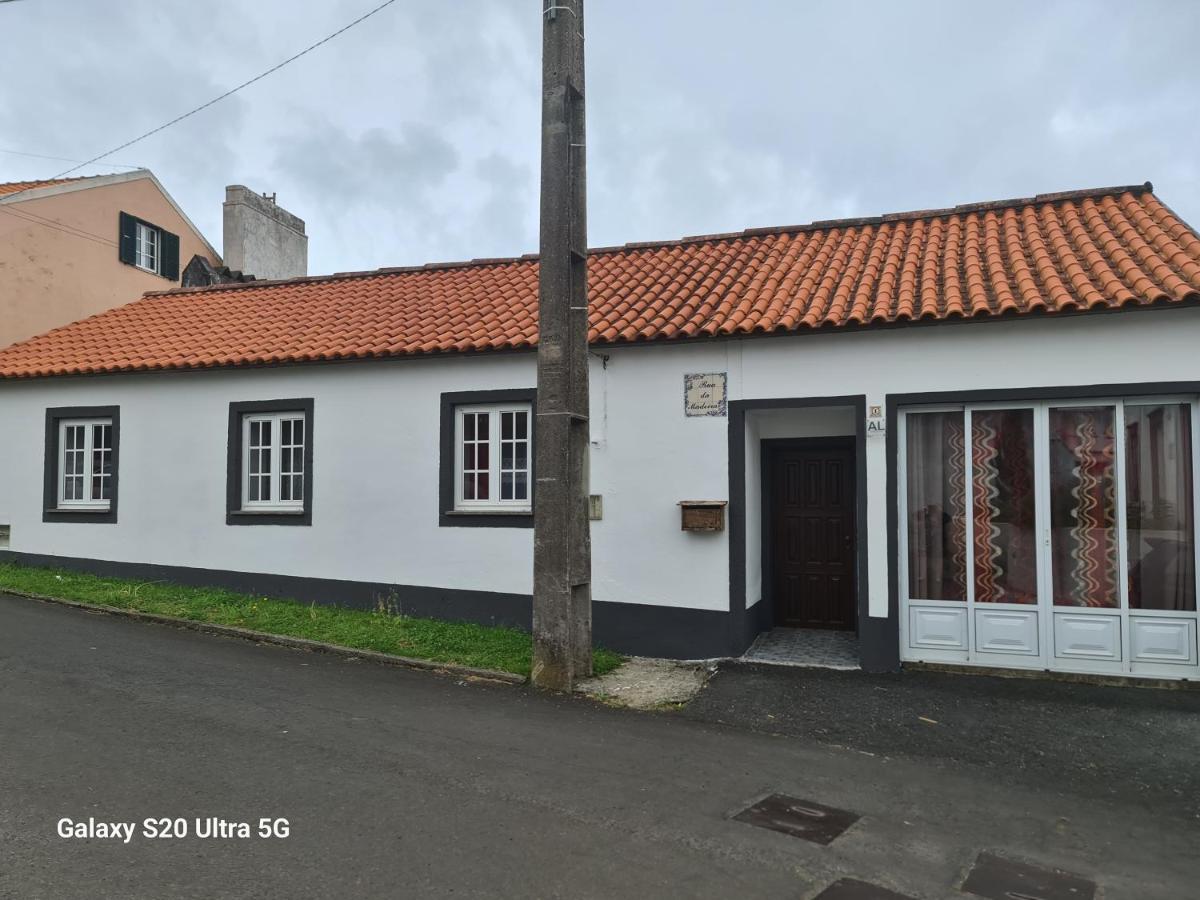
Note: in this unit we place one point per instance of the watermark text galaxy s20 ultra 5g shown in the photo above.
(168, 828)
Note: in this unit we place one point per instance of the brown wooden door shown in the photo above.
(812, 497)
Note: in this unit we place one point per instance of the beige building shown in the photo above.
(75, 247)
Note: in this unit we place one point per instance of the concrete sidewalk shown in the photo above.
(1130, 744)
(403, 783)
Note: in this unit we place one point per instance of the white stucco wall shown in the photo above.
(1141, 346)
(375, 500)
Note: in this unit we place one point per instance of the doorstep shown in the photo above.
(811, 647)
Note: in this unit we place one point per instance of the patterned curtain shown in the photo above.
(1003, 506)
(937, 534)
(1083, 507)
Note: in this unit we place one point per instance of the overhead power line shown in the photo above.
(231, 91)
(71, 230)
(62, 158)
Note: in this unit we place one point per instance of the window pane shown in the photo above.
(1003, 506)
(481, 489)
(469, 456)
(522, 487)
(506, 455)
(253, 489)
(522, 425)
(937, 529)
(481, 456)
(1160, 520)
(297, 487)
(506, 485)
(469, 486)
(469, 427)
(482, 425)
(506, 426)
(285, 431)
(1083, 507)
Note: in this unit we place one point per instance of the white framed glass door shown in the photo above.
(1051, 534)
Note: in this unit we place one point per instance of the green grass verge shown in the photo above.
(384, 630)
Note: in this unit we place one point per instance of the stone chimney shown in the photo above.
(262, 238)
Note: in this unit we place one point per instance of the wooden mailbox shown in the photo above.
(702, 515)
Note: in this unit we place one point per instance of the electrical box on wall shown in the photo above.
(5, 533)
(595, 507)
(702, 515)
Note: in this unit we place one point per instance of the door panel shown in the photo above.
(813, 536)
(1163, 640)
(937, 628)
(1006, 631)
(1087, 636)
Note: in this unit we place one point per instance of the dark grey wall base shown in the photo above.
(632, 628)
(879, 644)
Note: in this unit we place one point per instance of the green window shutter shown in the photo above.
(128, 239)
(169, 248)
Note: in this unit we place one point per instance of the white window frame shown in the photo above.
(493, 502)
(87, 501)
(1045, 607)
(275, 474)
(147, 250)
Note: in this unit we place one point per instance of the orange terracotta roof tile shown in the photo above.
(15, 187)
(1085, 250)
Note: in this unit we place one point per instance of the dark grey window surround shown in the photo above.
(448, 517)
(234, 514)
(50, 510)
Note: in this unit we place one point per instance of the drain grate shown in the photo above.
(853, 889)
(799, 818)
(998, 878)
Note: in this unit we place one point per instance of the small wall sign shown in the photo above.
(704, 395)
(876, 423)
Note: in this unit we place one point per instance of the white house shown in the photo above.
(966, 434)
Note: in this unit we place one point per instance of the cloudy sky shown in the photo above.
(414, 137)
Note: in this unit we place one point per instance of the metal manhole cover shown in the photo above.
(998, 878)
(799, 818)
(853, 889)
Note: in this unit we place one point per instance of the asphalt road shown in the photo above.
(411, 784)
(1139, 746)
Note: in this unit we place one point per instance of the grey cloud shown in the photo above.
(415, 136)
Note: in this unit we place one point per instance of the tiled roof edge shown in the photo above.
(818, 225)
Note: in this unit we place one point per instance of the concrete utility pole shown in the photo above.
(562, 552)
